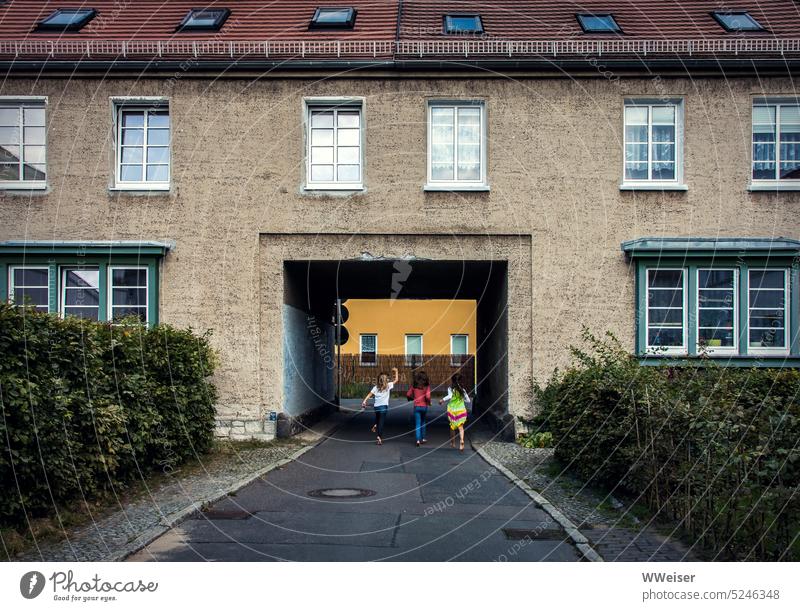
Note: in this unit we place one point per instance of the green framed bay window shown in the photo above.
(734, 299)
(95, 280)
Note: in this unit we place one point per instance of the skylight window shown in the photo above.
(67, 19)
(598, 24)
(463, 24)
(738, 22)
(343, 18)
(204, 19)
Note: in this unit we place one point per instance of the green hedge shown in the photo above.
(87, 406)
(715, 449)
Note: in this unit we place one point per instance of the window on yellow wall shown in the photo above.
(459, 349)
(413, 350)
(368, 349)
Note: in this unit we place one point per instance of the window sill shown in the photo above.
(141, 188)
(333, 187)
(732, 360)
(433, 187)
(23, 186)
(773, 185)
(652, 186)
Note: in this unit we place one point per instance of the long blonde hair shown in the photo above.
(383, 382)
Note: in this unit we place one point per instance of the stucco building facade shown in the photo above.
(239, 243)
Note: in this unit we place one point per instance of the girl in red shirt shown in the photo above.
(420, 392)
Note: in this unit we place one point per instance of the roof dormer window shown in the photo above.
(329, 18)
(598, 24)
(205, 19)
(738, 22)
(67, 19)
(463, 24)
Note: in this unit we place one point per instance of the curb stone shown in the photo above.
(580, 541)
(171, 520)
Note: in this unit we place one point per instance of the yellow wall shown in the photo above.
(435, 319)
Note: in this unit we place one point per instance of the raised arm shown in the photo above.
(396, 375)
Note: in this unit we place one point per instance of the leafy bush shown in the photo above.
(539, 439)
(711, 448)
(87, 406)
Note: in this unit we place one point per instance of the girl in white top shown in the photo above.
(381, 391)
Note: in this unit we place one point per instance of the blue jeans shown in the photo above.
(420, 418)
(380, 418)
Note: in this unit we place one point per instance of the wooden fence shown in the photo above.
(440, 368)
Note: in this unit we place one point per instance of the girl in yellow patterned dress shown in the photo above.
(457, 399)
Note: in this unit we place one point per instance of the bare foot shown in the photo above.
(374, 428)
(380, 442)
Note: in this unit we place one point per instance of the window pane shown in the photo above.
(9, 172)
(349, 154)
(83, 297)
(663, 133)
(442, 116)
(322, 173)
(636, 133)
(82, 278)
(790, 114)
(368, 343)
(790, 170)
(321, 154)
(321, 119)
(321, 137)
(30, 277)
(636, 152)
(763, 114)
(766, 299)
(9, 135)
(765, 279)
(34, 135)
(636, 171)
(349, 173)
(469, 153)
(133, 137)
(716, 337)
(34, 116)
(716, 279)
(665, 278)
(664, 114)
(130, 173)
(716, 318)
(442, 171)
(157, 173)
(31, 296)
(348, 137)
(413, 344)
(129, 296)
(348, 119)
(129, 277)
(33, 172)
(132, 154)
(157, 137)
(9, 154)
(157, 154)
(635, 115)
(158, 119)
(9, 116)
(442, 134)
(767, 338)
(132, 119)
(34, 154)
(469, 134)
(459, 344)
(126, 312)
(664, 152)
(667, 316)
(669, 337)
(663, 170)
(766, 319)
(469, 171)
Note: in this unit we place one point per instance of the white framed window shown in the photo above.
(414, 351)
(143, 142)
(717, 310)
(127, 295)
(29, 286)
(80, 292)
(334, 145)
(368, 349)
(767, 322)
(776, 144)
(666, 311)
(459, 349)
(653, 156)
(23, 143)
(456, 146)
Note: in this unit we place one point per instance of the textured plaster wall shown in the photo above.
(554, 166)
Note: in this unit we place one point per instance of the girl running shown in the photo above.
(381, 392)
(457, 399)
(420, 392)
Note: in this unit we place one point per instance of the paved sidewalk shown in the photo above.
(115, 535)
(611, 529)
(432, 503)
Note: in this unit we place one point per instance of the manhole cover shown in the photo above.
(341, 493)
(519, 534)
(226, 514)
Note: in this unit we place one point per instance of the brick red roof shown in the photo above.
(555, 19)
(157, 19)
(386, 29)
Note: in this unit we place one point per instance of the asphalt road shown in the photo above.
(432, 503)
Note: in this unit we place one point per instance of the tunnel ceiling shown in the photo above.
(319, 283)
